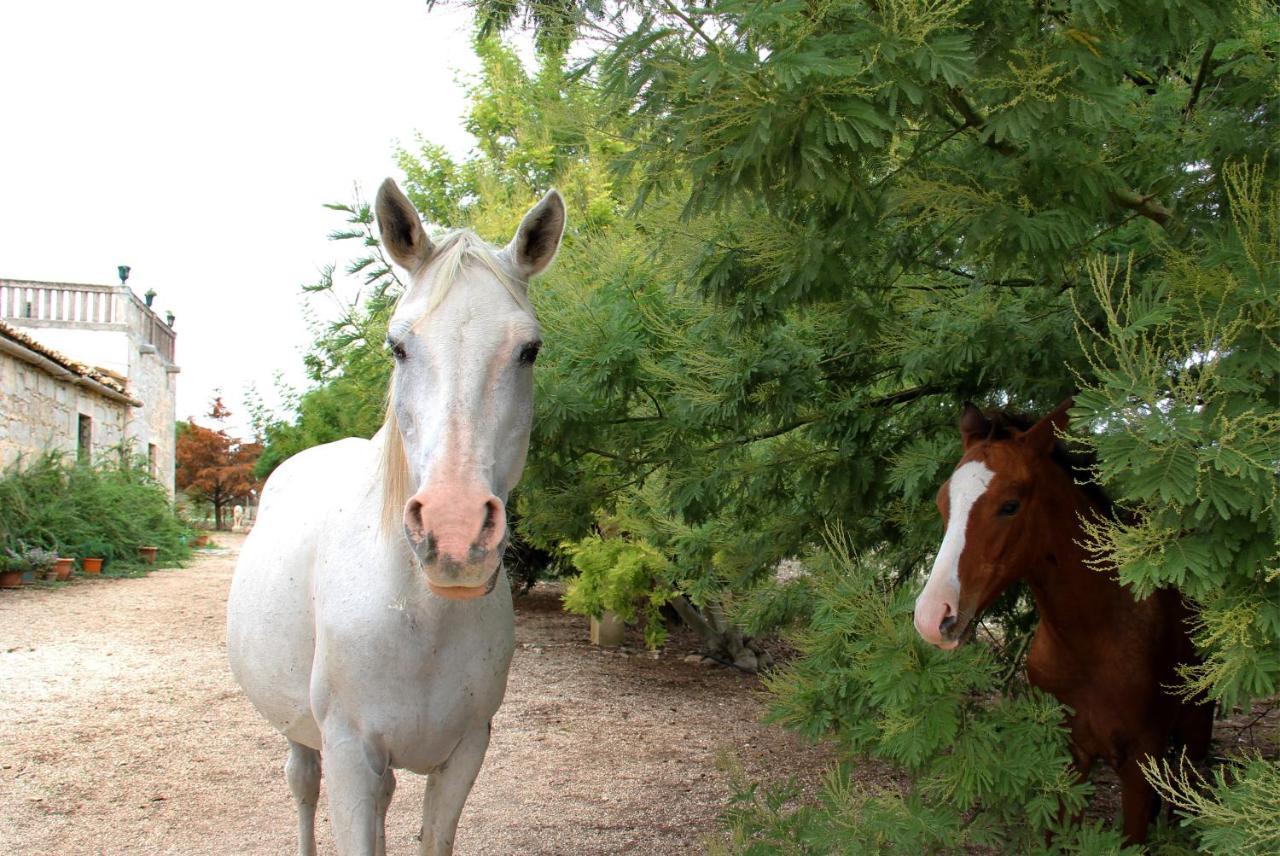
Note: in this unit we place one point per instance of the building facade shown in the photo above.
(119, 341)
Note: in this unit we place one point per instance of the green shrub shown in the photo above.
(621, 576)
(116, 506)
(981, 756)
(96, 548)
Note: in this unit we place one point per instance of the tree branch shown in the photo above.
(905, 395)
(1200, 78)
(693, 25)
(1147, 206)
(1020, 282)
(753, 438)
(614, 457)
(975, 120)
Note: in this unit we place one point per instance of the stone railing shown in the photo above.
(55, 301)
(72, 305)
(154, 330)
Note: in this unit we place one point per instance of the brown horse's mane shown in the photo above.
(1077, 464)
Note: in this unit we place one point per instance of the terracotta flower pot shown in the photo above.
(148, 554)
(201, 541)
(62, 568)
(91, 566)
(10, 579)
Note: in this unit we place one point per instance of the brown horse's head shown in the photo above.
(997, 513)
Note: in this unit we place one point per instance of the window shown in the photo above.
(152, 464)
(85, 439)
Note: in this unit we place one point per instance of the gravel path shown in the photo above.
(121, 731)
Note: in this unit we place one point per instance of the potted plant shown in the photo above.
(10, 574)
(62, 568)
(93, 552)
(148, 554)
(43, 562)
(33, 562)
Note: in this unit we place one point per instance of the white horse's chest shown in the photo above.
(408, 670)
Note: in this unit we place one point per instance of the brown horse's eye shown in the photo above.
(1009, 509)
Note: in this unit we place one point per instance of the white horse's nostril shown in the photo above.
(413, 519)
(491, 512)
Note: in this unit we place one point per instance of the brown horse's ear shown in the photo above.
(1041, 436)
(402, 234)
(973, 425)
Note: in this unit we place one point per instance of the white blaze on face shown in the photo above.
(941, 594)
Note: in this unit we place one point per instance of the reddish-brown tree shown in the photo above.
(213, 466)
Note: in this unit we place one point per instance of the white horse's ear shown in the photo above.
(402, 234)
(538, 237)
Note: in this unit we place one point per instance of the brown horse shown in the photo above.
(1014, 509)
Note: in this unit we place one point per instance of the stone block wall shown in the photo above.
(39, 412)
(152, 383)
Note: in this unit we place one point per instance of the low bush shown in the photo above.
(109, 509)
(976, 758)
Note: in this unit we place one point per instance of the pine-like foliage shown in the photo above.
(984, 754)
(858, 214)
(1186, 400)
(851, 217)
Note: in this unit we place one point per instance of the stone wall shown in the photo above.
(152, 382)
(40, 413)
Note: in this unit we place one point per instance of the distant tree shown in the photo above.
(213, 466)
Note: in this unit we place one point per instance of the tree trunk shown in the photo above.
(721, 639)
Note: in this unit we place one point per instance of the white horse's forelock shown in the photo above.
(443, 270)
(446, 264)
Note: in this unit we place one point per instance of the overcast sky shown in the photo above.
(197, 143)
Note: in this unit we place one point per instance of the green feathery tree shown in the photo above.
(826, 225)
(851, 217)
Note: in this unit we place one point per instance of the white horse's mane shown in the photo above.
(452, 253)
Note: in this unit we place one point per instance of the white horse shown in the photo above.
(370, 617)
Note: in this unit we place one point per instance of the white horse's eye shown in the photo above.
(529, 353)
(397, 349)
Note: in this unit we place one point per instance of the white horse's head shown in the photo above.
(464, 338)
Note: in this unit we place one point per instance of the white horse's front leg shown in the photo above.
(386, 788)
(302, 771)
(447, 791)
(356, 773)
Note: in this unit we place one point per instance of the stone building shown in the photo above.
(121, 356)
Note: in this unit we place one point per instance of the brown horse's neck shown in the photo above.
(1071, 596)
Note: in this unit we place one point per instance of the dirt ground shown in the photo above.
(121, 731)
